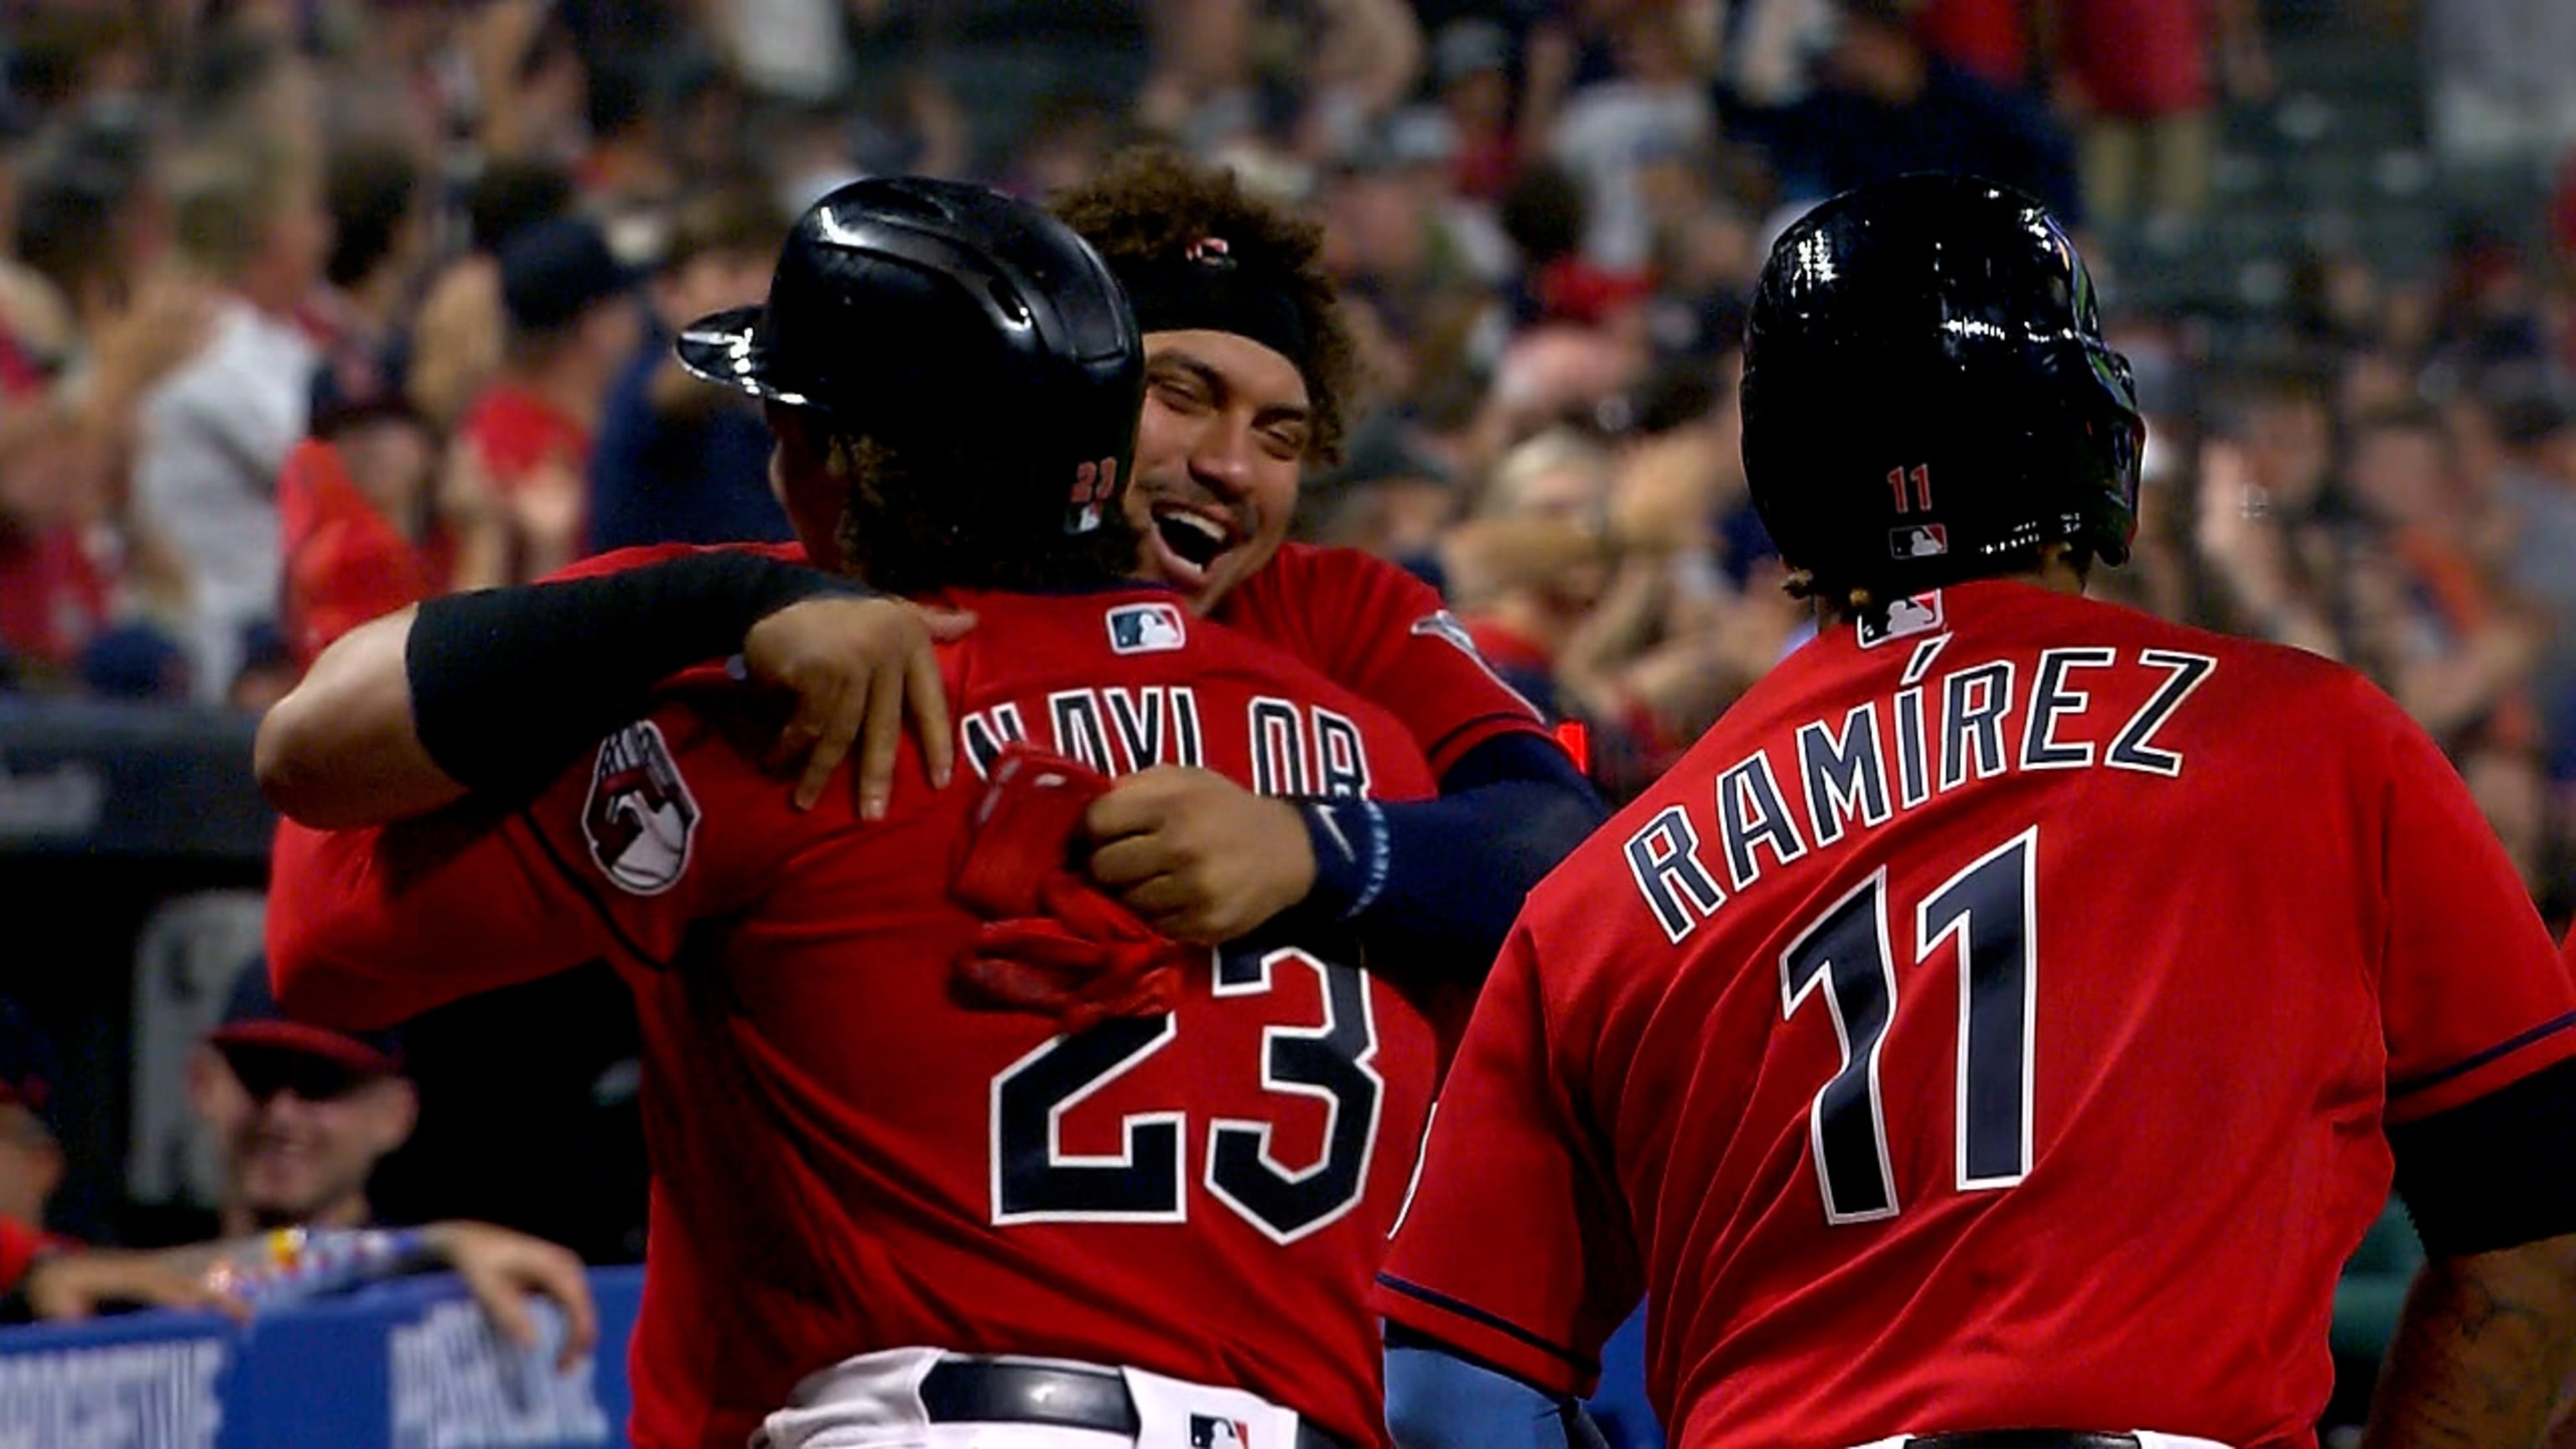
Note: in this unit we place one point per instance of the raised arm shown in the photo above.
(496, 691)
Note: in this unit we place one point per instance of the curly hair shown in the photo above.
(1150, 203)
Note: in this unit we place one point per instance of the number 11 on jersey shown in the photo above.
(1989, 909)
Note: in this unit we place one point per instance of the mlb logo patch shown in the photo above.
(1921, 614)
(640, 819)
(1210, 1432)
(1918, 540)
(1146, 629)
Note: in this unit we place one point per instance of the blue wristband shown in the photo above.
(1354, 854)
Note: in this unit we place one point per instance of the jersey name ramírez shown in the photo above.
(1835, 778)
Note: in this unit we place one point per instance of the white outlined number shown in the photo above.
(1035, 1180)
(1990, 911)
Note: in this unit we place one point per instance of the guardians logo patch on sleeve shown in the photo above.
(640, 819)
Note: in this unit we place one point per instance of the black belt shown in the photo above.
(986, 1391)
(2023, 1439)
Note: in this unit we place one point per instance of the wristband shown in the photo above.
(1353, 854)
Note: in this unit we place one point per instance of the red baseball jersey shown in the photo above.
(1383, 634)
(845, 1158)
(1990, 1024)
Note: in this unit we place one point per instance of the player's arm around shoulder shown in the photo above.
(343, 749)
(339, 750)
(491, 692)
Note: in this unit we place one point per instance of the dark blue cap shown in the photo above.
(553, 271)
(255, 1026)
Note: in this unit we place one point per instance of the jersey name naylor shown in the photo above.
(1296, 748)
(1933, 735)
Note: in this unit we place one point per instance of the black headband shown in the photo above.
(1207, 290)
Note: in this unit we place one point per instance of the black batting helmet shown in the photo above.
(1927, 396)
(972, 334)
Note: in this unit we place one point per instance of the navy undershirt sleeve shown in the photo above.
(2495, 1172)
(1436, 883)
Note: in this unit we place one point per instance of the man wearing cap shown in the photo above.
(302, 1113)
(516, 493)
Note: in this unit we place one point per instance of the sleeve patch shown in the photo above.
(1446, 627)
(640, 819)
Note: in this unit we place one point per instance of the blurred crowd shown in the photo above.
(311, 308)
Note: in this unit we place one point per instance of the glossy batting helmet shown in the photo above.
(1927, 396)
(974, 335)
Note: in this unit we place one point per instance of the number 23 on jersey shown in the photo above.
(1034, 1179)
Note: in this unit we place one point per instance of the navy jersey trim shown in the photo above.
(2470, 1064)
(1475, 1315)
(589, 892)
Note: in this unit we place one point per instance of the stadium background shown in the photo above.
(2353, 335)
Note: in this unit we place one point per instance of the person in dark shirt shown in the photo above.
(678, 460)
(1883, 106)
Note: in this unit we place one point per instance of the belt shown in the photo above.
(2023, 1439)
(983, 1391)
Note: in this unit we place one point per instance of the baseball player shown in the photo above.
(865, 1191)
(1246, 364)
(2001, 1026)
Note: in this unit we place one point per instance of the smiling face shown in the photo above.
(300, 1151)
(1219, 449)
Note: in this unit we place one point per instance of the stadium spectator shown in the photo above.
(247, 217)
(516, 491)
(45, 1275)
(1655, 103)
(2498, 71)
(1989, 39)
(2285, 334)
(301, 1114)
(680, 461)
(2136, 77)
(31, 1160)
(1883, 106)
(380, 242)
(354, 508)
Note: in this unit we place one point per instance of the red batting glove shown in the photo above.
(1024, 829)
(1053, 944)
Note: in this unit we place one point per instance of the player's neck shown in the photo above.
(2057, 572)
